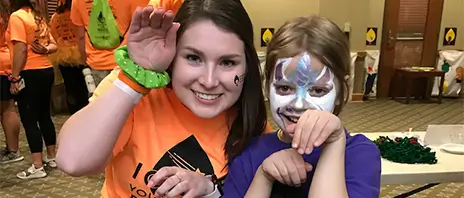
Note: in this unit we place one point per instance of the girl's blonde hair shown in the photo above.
(321, 38)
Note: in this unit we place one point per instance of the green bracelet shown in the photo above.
(146, 78)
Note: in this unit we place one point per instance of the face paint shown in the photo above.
(299, 84)
(239, 79)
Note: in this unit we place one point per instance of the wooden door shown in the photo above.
(410, 38)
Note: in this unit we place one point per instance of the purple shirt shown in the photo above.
(362, 168)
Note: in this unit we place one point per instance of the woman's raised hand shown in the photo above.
(152, 38)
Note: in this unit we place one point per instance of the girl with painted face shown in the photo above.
(311, 155)
(174, 139)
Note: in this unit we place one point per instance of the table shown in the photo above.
(450, 168)
(410, 74)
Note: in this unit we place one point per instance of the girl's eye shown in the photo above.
(228, 63)
(318, 91)
(284, 90)
(193, 58)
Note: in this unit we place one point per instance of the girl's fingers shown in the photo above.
(297, 133)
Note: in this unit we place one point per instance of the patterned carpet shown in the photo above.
(358, 117)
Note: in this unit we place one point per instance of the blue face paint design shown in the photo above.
(297, 70)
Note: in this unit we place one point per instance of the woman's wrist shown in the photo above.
(146, 78)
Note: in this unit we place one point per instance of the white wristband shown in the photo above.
(214, 194)
(136, 96)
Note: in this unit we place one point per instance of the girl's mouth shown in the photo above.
(293, 119)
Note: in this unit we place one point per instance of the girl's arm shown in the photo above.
(51, 47)
(19, 57)
(260, 187)
(329, 176)
(88, 137)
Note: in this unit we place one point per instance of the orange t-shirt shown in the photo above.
(65, 34)
(23, 28)
(159, 132)
(122, 10)
(5, 61)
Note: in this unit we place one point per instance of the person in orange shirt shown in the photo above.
(177, 138)
(68, 57)
(8, 116)
(101, 60)
(32, 77)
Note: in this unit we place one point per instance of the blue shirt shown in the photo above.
(362, 168)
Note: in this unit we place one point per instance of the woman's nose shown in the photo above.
(209, 79)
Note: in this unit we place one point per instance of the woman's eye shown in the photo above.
(193, 58)
(228, 63)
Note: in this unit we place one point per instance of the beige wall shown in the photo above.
(273, 13)
(359, 13)
(453, 16)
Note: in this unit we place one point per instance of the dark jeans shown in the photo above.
(34, 108)
(77, 95)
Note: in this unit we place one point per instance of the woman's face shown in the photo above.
(208, 69)
(300, 83)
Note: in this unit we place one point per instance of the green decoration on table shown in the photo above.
(147, 78)
(405, 150)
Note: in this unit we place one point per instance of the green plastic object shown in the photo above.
(405, 150)
(103, 30)
(445, 67)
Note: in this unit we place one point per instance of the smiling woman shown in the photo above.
(155, 139)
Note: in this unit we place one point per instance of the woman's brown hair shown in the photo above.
(230, 15)
(321, 38)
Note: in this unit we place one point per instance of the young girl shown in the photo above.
(307, 61)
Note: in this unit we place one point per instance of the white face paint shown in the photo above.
(300, 83)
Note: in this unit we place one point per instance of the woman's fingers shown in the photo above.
(156, 18)
(168, 18)
(162, 174)
(180, 188)
(169, 184)
(136, 20)
(171, 35)
(145, 21)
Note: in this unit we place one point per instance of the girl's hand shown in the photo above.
(314, 128)
(14, 88)
(151, 39)
(286, 166)
(38, 48)
(174, 181)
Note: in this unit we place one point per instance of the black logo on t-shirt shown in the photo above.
(188, 155)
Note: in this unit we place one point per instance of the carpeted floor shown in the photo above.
(358, 117)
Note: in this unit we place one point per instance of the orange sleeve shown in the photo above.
(268, 128)
(75, 15)
(17, 29)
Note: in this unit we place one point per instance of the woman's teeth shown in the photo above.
(207, 96)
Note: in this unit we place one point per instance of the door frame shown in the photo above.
(389, 33)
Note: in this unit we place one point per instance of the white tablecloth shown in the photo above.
(450, 167)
